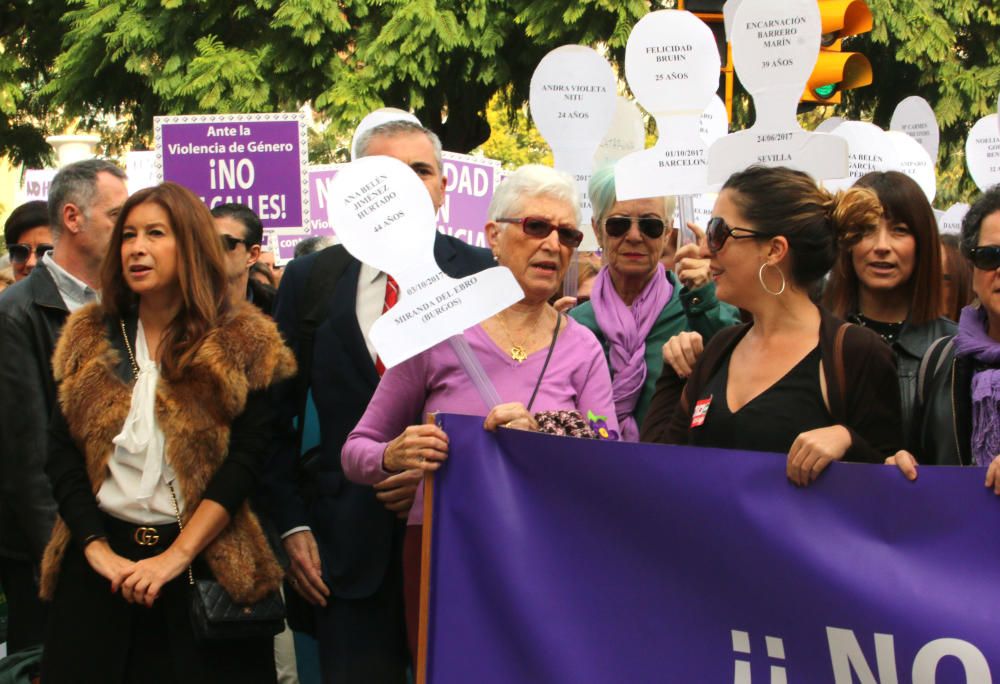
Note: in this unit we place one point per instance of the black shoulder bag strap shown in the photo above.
(552, 345)
(312, 308)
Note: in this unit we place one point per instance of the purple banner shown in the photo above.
(253, 159)
(470, 185)
(564, 560)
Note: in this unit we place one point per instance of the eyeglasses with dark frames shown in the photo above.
(20, 253)
(985, 258)
(229, 242)
(650, 226)
(540, 228)
(718, 231)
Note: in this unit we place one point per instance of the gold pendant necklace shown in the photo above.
(517, 351)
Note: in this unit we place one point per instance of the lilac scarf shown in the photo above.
(626, 329)
(973, 340)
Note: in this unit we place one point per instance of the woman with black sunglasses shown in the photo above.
(543, 365)
(888, 278)
(636, 305)
(958, 408)
(797, 380)
(28, 237)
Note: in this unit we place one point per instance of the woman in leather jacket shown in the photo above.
(959, 410)
(888, 278)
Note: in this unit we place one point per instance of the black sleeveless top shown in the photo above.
(770, 421)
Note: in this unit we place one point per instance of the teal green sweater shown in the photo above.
(695, 310)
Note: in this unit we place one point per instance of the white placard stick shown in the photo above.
(385, 218)
(915, 117)
(672, 67)
(573, 98)
(775, 44)
(982, 152)
(915, 162)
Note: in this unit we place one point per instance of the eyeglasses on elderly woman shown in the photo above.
(985, 258)
(536, 227)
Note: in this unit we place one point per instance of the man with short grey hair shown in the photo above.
(84, 201)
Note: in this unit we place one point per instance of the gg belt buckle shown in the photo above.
(146, 536)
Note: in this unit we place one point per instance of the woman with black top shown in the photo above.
(888, 278)
(797, 380)
(162, 419)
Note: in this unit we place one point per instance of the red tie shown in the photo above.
(391, 297)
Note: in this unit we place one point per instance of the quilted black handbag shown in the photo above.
(214, 614)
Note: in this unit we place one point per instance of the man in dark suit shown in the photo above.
(84, 201)
(344, 540)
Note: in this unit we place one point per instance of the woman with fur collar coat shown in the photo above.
(162, 419)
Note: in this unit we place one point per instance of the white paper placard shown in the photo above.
(714, 121)
(951, 222)
(915, 117)
(829, 125)
(573, 98)
(385, 218)
(672, 66)
(915, 162)
(140, 167)
(626, 135)
(774, 47)
(869, 149)
(36, 185)
(982, 152)
(377, 118)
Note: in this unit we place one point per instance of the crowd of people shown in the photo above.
(181, 414)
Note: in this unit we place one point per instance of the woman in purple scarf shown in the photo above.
(959, 394)
(636, 305)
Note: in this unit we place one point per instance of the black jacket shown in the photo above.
(32, 314)
(354, 531)
(942, 431)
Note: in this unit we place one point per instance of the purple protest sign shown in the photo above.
(320, 176)
(566, 560)
(470, 185)
(254, 159)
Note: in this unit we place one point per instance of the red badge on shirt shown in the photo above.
(700, 412)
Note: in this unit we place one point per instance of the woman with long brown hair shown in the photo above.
(154, 450)
(888, 278)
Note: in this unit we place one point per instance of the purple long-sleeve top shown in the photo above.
(434, 381)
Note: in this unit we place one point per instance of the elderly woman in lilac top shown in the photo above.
(532, 230)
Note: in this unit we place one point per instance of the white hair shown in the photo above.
(533, 180)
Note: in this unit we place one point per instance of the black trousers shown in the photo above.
(25, 611)
(97, 637)
(363, 641)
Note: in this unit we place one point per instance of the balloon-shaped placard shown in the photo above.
(914, 162)
(951, 222)
(714, 122)
(870, 149)
(377, 118)
(828, 125)
(982, 152)
(385, 218)
(672, 67)
(573, 100)
(626, 135)
(915, 117)
(774, 45)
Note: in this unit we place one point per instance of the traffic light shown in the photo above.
(837, 71)
(710, 12)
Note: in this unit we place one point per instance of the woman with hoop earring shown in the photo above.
(797, 380)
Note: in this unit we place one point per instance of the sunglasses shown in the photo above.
(718, 231)
(20, 253)
(985, 258)
(540, 228)
(651, 227)
(229, 242)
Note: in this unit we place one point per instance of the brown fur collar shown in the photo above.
(244, 354)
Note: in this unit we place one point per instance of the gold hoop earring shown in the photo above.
(760, 277)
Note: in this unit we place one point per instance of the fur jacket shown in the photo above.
(245, 353)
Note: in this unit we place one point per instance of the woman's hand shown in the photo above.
(107, 563)
(148, 576)
(907, 464)
(993, 476)
(692, 270)
(397, 492)
(513, 415)
(564, 304)
(682, 351)
(420, 446)
(813, 451)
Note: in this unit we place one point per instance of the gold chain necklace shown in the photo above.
(517, 351)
